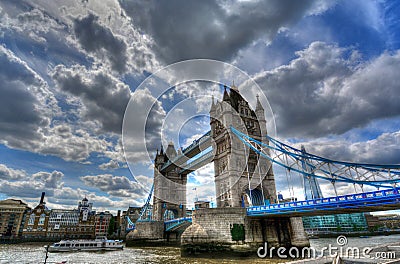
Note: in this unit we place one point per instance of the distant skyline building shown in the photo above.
(312, 189)
(18, 220)
(327, 223)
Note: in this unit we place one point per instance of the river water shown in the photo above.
(34, 253)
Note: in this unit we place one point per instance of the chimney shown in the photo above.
(42, 198)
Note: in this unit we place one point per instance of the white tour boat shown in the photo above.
(100, 243)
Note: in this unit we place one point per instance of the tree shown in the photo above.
(111, 226)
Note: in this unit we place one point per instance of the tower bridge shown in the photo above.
(247, 207)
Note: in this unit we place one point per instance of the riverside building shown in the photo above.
(12, 218)
(102, 223)
(36, 221)
(75, 223)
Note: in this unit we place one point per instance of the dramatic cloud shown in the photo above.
(213, 29)
(19, 184)
(142, 126)
(94, 37)
(326, 91)
(23, 189)
(23, 108)
(104, 97)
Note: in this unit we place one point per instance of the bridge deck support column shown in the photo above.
(271, 232)
(298, 235)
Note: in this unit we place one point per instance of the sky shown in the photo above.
(69, 67)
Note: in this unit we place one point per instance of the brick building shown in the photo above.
(12, 218)
(36, 221)
(102, 222)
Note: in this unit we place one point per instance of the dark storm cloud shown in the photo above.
(325, 91)
(211, 29)
(95, 37)
(104, 97)
(20, 115)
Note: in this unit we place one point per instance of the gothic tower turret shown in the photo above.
(241, 176)
(169, 187)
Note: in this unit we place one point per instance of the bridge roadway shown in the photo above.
(382, 200)
(179, 223)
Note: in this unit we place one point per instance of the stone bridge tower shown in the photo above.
(234, 164)
(169, 200)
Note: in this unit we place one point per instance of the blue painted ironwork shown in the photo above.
(130, 225)
(322, 168)
(175, 224)
(338, 204)
(308, 165)
(144, 213)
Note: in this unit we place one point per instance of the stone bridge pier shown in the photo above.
(229, 232)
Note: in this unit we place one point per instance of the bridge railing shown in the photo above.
(178, 220)
(338, 201)
(171, 224)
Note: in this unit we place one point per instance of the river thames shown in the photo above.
(35, 253)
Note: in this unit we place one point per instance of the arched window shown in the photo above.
(41, 219)
(169, 215)
(31, 219)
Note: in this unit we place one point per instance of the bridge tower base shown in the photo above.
(152, 234)
(149, 233)
(229, 232)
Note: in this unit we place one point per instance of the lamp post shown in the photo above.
(47, 252)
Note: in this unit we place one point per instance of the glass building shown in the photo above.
(327, 223)
(335, 223)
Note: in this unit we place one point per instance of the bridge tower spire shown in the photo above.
(236, 187)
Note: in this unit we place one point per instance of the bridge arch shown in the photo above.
(170, 214)
(252, 198)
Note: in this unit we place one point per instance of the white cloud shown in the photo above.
(112, 164)
(117, 186)
(7, 173)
